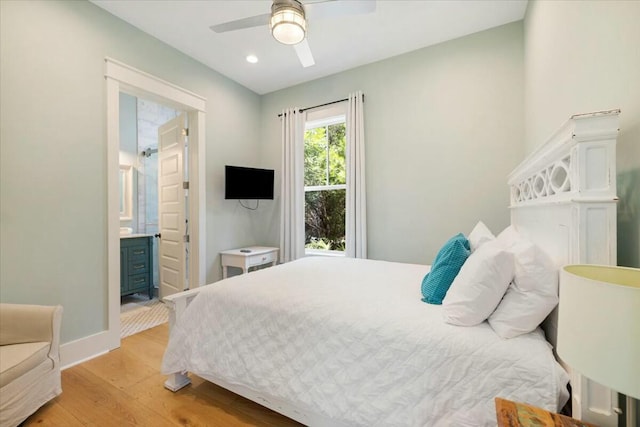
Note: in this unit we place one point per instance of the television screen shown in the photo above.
(248, 183)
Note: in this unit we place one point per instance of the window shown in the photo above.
(325, 185)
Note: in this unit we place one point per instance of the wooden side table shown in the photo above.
(514, 414)
(245, 258)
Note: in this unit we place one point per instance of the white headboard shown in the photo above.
(563, 198)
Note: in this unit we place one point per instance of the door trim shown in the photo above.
(124, 78)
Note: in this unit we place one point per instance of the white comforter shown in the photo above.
(351, 340)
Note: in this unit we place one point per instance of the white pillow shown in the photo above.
(477, 289)
(533, 293)
(509, 237)
(479, 235)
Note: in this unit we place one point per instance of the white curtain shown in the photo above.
(356, 221)
(292, 186)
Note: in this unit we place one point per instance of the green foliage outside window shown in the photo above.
(325, 219)
(316, 154)
(324, 164)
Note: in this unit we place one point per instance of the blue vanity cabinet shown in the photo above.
(136, 265)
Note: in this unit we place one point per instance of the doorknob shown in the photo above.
(159, 235)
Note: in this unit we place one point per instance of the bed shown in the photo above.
(346, 342)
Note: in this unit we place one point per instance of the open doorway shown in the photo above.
(142, 123)
(121, 78)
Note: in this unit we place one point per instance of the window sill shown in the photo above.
(321, 252)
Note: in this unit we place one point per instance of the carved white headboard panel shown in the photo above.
(563, 197)
(579, 160)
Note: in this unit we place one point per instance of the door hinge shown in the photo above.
(185, 185)
(186, 238)
(185, 132)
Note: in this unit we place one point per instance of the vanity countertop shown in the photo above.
(130, 236)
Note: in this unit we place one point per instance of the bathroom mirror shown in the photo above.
(126, 192)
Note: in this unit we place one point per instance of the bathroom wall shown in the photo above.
(150, 117)
(129, 148)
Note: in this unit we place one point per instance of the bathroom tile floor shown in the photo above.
(138, 313)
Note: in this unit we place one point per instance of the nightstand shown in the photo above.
(245, 258)
(514, 414)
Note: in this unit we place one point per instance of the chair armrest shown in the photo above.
(21, 323)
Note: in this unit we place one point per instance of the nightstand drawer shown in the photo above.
(260, 259)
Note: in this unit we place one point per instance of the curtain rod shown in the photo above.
(323, 105)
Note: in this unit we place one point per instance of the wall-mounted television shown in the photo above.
(248, 183)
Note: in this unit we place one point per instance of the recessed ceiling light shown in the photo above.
(252, 59)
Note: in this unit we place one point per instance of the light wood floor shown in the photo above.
(124, 388)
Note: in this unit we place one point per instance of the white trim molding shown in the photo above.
(149, 85)
(75, 352)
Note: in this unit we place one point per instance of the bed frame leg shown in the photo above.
(177, 304)
(177, 381)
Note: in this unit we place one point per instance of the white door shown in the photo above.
(171, 206)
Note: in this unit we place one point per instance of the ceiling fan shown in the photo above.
(288, 21)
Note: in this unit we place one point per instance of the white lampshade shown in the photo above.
(288, 24)
(599, 324)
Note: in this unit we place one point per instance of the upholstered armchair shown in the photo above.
(29, 359)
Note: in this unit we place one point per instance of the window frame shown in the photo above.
(325, 117)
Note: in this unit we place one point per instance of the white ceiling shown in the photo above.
(338, 43)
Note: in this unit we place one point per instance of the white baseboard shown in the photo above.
(83, 349)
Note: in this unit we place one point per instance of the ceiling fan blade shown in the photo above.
(239, 24)
(304, 53)
(334, 8)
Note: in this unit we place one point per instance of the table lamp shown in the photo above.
(599, 327)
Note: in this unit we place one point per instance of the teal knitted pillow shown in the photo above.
(445, 268)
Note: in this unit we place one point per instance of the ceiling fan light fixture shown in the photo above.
(288, 24)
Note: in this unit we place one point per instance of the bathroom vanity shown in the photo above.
(136, 264)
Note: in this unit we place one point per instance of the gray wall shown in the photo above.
(583, 56)
(444, 127)
(53, 186)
